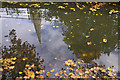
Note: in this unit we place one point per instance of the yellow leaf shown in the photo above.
(14, 58)
(20, 72)
(70, 32)
(12, 62)
(69, 46)
(96, 14)
(70, 61)
(60, 72)
(70, 68)
(89, 43)
(105, 40)
(18, 23)
(109, 68)
(84, 54)
(86, 71)
(61, 7)
(57, 26)
(41, 76)
(74, 65)
(48, 74)
(7, 40)
(65, 3)
(91, 29)
(27, 65)
(56, 74)
(26, 77)
(66, 12)
(77, 19)
(86, 36)
(31, 74)
(11, 67)
(52, 70)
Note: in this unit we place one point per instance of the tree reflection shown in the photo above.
(17, 56)
(82, 40)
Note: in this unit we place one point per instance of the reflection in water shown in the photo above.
(87, 34)
(78, 37)
(35, 15)
(19, 57)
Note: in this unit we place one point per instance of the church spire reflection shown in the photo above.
(35, 15)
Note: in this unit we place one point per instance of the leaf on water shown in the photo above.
(105, 40)
(25, 58)
(65, 3)
(61, 7)
(66, 12)
(70, 68)
(7, 40)
(57, 26)
(60, 72)
(84, 54)
(48, 74)
(27, 65)
(46, 4)
(96, 14)
(41, 76)
(12, 62)
(11, 67)
(53, 26)
(89, 43)
(14, 58)
(31, 74)
(71, 32)
(20, 72)
(26, 77)
(52, 70)
(69, 46)
(91, 29)
(86, 36)
(1, 69)
(72, 9)
(18, 23)
(56, 74)
(77, 19)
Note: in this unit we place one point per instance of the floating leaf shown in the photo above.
(20, 72)
(89, 43)
(86, 36)
(105, 40)
(56, 74)
(48, 74)
(7, 40)
(92, 29)
(66, 12)
(52, 70)
(18, 23)
(77, 19)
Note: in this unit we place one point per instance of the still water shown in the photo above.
(59, 35)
